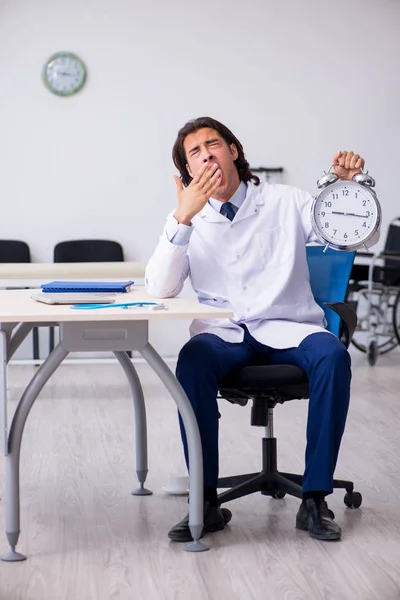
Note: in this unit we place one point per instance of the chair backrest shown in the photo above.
(88, 251)
(14, 251)
(329, 278)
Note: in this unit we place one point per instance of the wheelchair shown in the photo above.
(374, 292)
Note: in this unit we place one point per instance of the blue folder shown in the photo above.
(87, 286)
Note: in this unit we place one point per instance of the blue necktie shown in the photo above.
(228, 210)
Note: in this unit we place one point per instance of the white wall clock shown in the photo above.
(64, 74)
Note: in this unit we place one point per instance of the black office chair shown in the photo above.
(14, 251)
(269, 385)
(85, 251)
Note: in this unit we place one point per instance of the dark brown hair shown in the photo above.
(179, 156)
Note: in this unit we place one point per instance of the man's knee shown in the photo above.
(198, 353)
(329, 348)
(340, 358)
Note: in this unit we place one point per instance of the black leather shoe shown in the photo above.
(315, 517)
(215, 519)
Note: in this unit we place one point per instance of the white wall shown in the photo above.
(294, 80)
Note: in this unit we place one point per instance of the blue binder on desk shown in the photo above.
(87, 286)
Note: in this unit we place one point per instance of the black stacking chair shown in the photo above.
(85, 251)
(15, 251)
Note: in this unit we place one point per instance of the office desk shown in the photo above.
(108, 329)
(34, 274)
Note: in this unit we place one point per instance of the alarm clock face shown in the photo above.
(346, 214)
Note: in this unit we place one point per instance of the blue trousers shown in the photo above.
(206, 359)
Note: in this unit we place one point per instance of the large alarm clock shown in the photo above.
(346, 215)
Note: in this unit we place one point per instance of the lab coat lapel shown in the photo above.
(248, 209)
(211, 215)
(250, 206)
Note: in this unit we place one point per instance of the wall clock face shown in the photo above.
(64, 74)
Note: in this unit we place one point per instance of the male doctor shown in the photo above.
(243, 245)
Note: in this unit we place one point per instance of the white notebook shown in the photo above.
(74, 298)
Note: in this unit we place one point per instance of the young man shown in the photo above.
(242, 244)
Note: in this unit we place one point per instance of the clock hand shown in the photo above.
(335, 212)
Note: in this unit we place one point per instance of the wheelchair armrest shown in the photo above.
(348, 316)
(389, 254)
(364, 255)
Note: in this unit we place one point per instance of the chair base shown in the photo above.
(270, 482)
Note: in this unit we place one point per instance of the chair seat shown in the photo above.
(260, 380)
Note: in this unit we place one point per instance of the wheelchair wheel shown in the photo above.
(382, 311)
(396, 317)
(372, 353)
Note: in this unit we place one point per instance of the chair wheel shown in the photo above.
(353, 499)
(278, 495)
(372, 353)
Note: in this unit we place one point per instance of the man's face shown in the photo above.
(206, 146)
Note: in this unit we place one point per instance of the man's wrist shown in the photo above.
(183, 219)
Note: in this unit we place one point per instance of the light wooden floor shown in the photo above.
(87, 538)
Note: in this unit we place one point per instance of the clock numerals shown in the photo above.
(326, 225)
(345, 192)
(328, 204)
(356, 232)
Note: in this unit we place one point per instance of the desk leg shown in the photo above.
(140, 421)
(12, 500)
(6, 330)
(196, 516)
(17, 338)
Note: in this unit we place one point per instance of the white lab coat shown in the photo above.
(255, 266)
